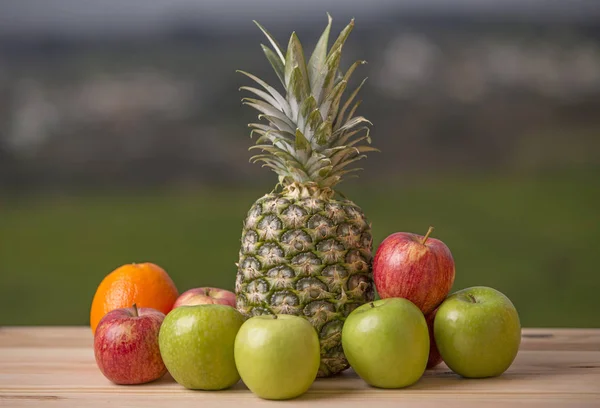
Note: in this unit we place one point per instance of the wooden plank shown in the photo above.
(64, 371)
(561, 339)
(54, 366)
(47, 336)
(195, 400)
(71, 336)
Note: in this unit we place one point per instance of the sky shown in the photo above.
(93, 17)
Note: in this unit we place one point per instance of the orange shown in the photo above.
(145, 284)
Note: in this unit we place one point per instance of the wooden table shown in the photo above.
(55, 367)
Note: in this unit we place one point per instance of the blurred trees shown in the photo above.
(442, 97)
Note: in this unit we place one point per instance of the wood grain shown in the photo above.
(55, 367)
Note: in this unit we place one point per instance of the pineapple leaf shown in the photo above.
(259, 132)
(324, 82)
(282, 102)
(323, 133)
(278, 123)
(311, 134)
(315, 161)
(260, 126)
(332, 102)
(302, 144)
(269, 160)
(337, 176)
(329, 152)
(319, 55)
(275, 62)
(275, 153)
(350, 152)
(287, 136)
(341, 173)
(353, 110)
(324, 171)
(314, 121)
(295, 65)
(267, 109)
(365, 148)
(308, 106)
(274, 136)
(267, 98)
(329, 75)
(339, 121)
(313, 166)
(272, 40)
(343, 164)
(296, 92)
(300, 124)
(343, 154)
(281, 167)
(276, 167)
(344, 140)
(339, 42)
(352, 68)
(331, 180)
(353, 123)
(303, 122)
(300, 174)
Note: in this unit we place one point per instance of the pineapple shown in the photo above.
(306, 249)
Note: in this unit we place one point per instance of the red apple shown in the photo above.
(126, 345)
(420, 269)
(201, 296)
(434, 355)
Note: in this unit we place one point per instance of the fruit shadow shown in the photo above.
(442, 378)
(165, 380)
(337, 386)
(168, 381)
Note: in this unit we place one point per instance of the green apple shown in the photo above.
(477, 332)
(277, 356)
(196, 344)
(387, 342)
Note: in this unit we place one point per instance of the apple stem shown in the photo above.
(472, 298)
(274, 316)
(429, 231)
(135, 310)
(372, 305)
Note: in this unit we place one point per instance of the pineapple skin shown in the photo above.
(306, 253)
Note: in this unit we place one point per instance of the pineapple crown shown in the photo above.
(310, 137)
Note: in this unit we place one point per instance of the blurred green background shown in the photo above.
(123, 140)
